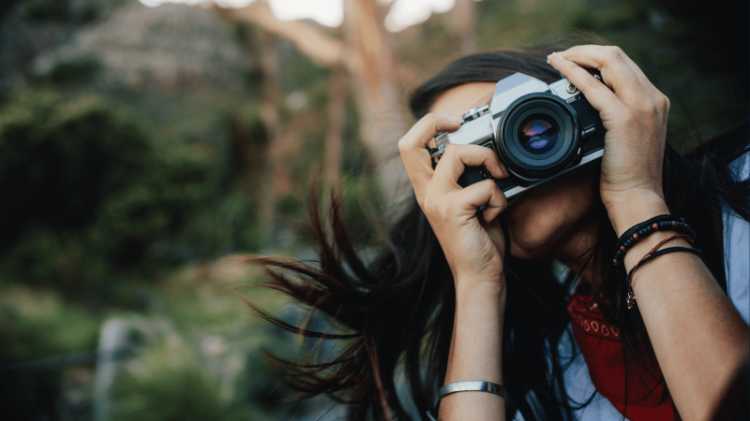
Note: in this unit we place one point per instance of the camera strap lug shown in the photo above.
(588, 131)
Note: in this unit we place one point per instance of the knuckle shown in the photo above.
(664, 103)
(649, 109)
(499, 194)
(489, 185)
(615, 52)
(430, 118)
(612, 55)
(451, 149)
(479, 152)
(576, 48)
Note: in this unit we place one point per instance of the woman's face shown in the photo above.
(545, 220)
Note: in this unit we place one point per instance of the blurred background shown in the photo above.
(144, 145)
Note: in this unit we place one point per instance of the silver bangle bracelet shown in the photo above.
(472, 386)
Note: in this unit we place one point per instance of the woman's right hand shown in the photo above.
(474, 247)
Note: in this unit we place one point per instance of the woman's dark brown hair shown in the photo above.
(393, 314)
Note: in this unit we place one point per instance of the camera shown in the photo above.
(538, 131)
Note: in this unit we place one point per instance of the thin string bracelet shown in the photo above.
(652, 254)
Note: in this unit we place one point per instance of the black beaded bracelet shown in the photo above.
(644, 229)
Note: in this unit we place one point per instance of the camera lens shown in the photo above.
(538, 134)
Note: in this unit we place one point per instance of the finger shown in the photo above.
(484, 193)
(456, 158)
(598, 94)
(426, 129)
(412, 147)
(611, 63)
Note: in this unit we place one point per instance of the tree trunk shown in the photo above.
(375, 75)
(268, 58)
(321, 48)
(370, 60)
(334, 133)
(461, 22)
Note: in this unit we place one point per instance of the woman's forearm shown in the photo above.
(476, 352)
(698, 336)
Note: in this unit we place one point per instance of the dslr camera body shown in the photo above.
(539, 131)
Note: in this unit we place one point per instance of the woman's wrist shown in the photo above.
(627, 210)
(477, 334)
(489, 289)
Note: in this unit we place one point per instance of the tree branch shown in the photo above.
(322, 49)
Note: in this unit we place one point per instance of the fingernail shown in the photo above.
(505, 170)
(555, 54)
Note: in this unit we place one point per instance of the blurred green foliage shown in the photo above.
(38, 323)
(80, 70)
(172, 383)
(168, 387)
(162, 380)
(87, 198)
(46, 9)
(179, 394)
(64, 10)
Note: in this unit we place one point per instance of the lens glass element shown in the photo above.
(538, 134)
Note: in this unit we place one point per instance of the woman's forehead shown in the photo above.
(457, 100)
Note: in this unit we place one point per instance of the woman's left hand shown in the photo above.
(634, 114)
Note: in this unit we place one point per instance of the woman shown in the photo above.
(443, 303)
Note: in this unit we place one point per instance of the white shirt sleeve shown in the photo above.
(737, 249)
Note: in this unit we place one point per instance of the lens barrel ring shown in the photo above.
(549, 110)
